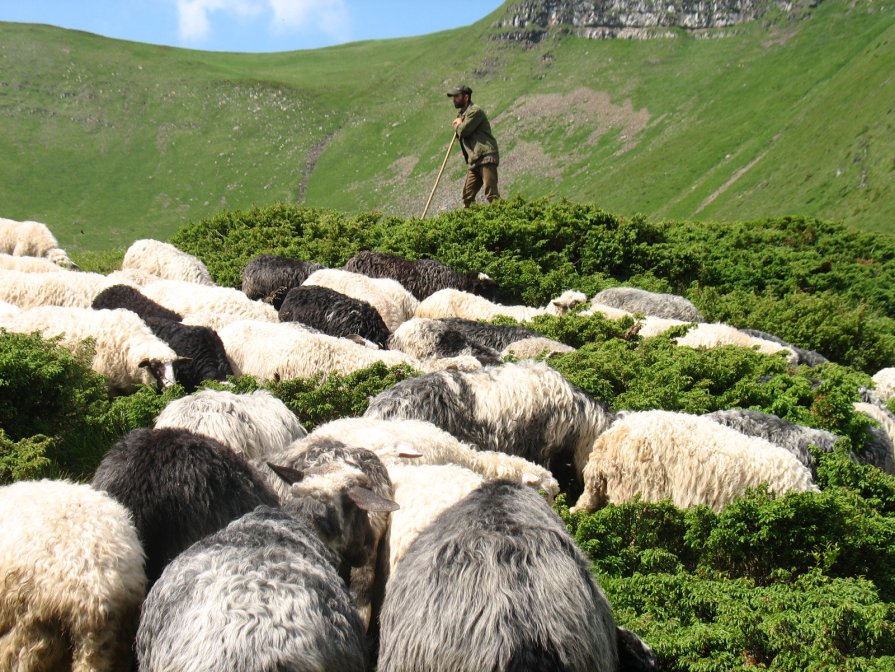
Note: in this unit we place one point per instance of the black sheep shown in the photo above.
(130, 298)
(334, 313)
(202, 352)
(270, 277)
(180, 487)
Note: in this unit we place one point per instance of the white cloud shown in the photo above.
(287, 16)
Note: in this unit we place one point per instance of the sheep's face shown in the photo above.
(158, 373)
(484, 286)
(60, 258)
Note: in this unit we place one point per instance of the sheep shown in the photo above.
(424, 338)
(454, 303)
(200, 351)
(689, 459)
(32, 239)
(334, 313)
(180, 487)
(9, 262)
(127, 353)
(884, 383)
(130, 298)
(165, 261)
(635, 300)
(497, 337)
(418, 442)
(133, 276)
(803, 356)
(267, 592)
(269, 277)
(609, 312)
(390, 299)
(331, 456)
(525, 409)
(256, 424)
(62, 288)
(186, 298)
(529, 348)
(879, 449)
(715, 335)
(469, 594)
(71, 579)
(423, 492)
(282, 352)
(794, 438)
(422, 277)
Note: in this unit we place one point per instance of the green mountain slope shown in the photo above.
(107, 141)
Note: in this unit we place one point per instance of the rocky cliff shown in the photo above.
(530, 20)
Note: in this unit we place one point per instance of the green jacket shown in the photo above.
(475, 136)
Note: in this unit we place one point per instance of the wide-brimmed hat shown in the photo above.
(460, 90)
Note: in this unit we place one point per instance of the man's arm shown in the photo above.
(470, 122)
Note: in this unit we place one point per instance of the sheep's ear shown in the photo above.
(406, 450)
(288, 474)
(530, 479)
(145, 364)
(183, 359)
(367, 500)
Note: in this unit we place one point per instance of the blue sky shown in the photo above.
(249, 25)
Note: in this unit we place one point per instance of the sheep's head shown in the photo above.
(157, 372)
(60, 258)
(481, 284)
(566, 302)
(336, 499)
(546, 483)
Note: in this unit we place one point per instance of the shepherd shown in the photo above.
(478, 145)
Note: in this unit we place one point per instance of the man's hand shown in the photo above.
(456, 122)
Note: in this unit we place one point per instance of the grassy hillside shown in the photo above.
(108, 141)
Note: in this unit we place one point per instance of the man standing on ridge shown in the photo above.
(478, 145)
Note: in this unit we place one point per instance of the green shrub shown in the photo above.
(24, 459)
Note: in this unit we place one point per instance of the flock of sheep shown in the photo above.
(417, 537)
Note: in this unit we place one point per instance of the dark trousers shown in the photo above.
(477, 176)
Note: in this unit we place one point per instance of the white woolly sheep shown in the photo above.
(525, 409)
(686, 458)
(31, 239)
(133, 276)
(714, 335)
(416, 442)
(394, 303)
(282, 352)
(529, 348)
(187, 298)
(71, 579)
(255, 424)
(9, 262)
(128, 354)
(454, 303)
(62, 288)
(165, 261)
(884, 383)
(423, 491)
(879, 449)
(640, 301)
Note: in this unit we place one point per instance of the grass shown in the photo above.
(108, 141)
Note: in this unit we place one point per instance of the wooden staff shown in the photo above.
(438, 179)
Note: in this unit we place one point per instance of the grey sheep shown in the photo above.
(333, 313)
(525, 409)
(265, 594)
(421, 277)
(434, 339)
(270, 277)
(180, 487)
(496, 583)
(795, 438)
(636, 300)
